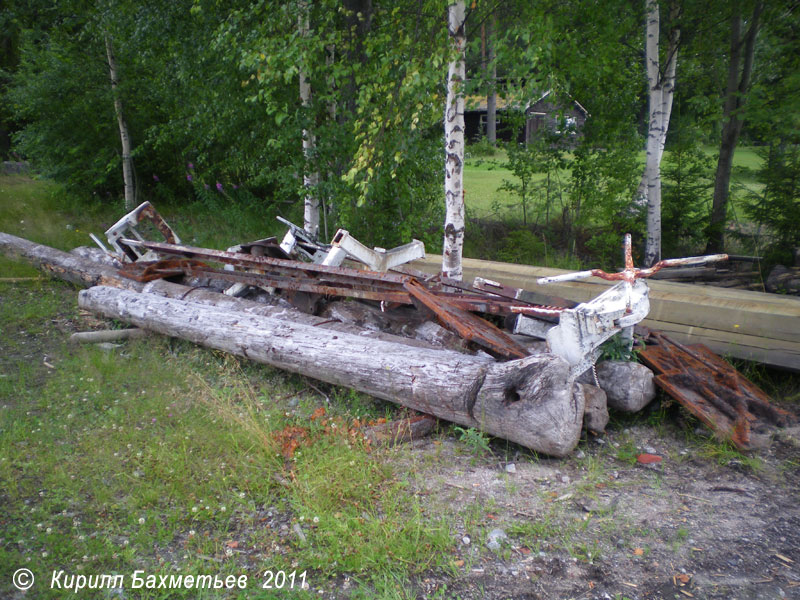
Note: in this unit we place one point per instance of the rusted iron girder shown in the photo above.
(338, 281)
(712, 390)
(144, 271)
(450, 307)
(470, 327)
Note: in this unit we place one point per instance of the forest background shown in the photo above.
(216, 119)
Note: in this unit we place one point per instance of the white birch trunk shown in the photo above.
(661, 92)
(125, 139)
(310, 177)
(454, 147)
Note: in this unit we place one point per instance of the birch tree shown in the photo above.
(125, 138)
(310, 175)
(454, 145)
(661, 86)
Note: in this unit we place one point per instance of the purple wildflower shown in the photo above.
(236, 187)
(155, 177)
(188, 177)
(219, 186)
(190, 166)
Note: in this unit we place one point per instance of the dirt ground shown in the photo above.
(600, 526)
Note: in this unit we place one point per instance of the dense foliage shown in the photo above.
(210, 93)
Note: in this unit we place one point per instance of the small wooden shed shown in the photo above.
(549, 113)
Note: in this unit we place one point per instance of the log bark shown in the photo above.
(63, 265)
(106, 335)
(531, 401)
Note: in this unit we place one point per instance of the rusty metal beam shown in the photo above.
(465, 324)
(712, 390)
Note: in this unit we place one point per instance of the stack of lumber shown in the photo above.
(739, 323)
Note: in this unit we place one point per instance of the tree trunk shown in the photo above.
(125, 139)
(732, 120)
(490, 74)
(310, 176)
(661, 93)
(531, 401)
(454, 146)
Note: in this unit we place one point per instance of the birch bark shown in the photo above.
(454, 146)
(125, 138)
(310, 176)
(661, 92)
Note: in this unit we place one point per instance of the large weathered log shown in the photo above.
(82, 269)
(531, 401)
(76, 269)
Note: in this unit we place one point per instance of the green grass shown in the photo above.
(483, 177)
(170, 458)
(163, 456)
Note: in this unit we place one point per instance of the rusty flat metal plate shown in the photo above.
(468, 326)
(712, 390)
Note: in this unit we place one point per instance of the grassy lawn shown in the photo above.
(168, 458)
(483, 176)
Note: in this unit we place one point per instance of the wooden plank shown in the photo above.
(775, 353)
(740, 323)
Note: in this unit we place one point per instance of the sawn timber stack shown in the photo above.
(744, 324)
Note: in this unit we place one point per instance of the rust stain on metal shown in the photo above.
(631, 273)
(160, 269)
(468, 326)
(147, 211)
(712, 390)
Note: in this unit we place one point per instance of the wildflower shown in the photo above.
(188, 177)
(191, 533)
(39, 526)
(316, 519)
(194, 509)
(190, 166)
(44, 554)
(219, 186)
(49, 530)
(222, 508)
(141, 520)
(155, 178)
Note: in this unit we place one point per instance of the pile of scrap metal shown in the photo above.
(350, 315)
